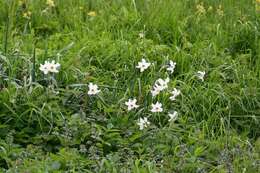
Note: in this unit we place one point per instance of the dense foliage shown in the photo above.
(52, 123)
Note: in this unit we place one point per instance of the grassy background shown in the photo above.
(61, 129)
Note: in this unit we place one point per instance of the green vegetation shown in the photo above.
(49, 123)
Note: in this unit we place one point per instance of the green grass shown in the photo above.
(54, 126)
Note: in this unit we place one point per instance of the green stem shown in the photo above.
(6, 33)
(33, 65)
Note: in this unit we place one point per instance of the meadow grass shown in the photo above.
(50, 123)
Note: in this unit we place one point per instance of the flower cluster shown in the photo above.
(50, 67)
(159, 86)
(200, 8)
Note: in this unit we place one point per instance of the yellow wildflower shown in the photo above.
(257, 8)
(21, 2)
(92, 13)
(201, 9)
(27, 15)
(257, 5)
(50, 3)
(220, 12)
(210, 8)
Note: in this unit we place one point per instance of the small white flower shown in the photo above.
(175, 93)
(93, 89)
(157, 107)
(143, 65)
(143, 122)
(173, 116)
(141, 35)
(54, 67)
(155, 91)
(171, 66)
(131, 104)
(44, 68)
(201, 75)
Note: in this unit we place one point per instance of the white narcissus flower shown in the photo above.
(175, 93)
(171, 66)
(162, 84)
(143, 122)
(201, 75)
(143, 65)
(155, 91)
(131, 104)
(159, 86)
(93, 89)
(54, 67)
(157, 107)
(45, 67)
(173, 116)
